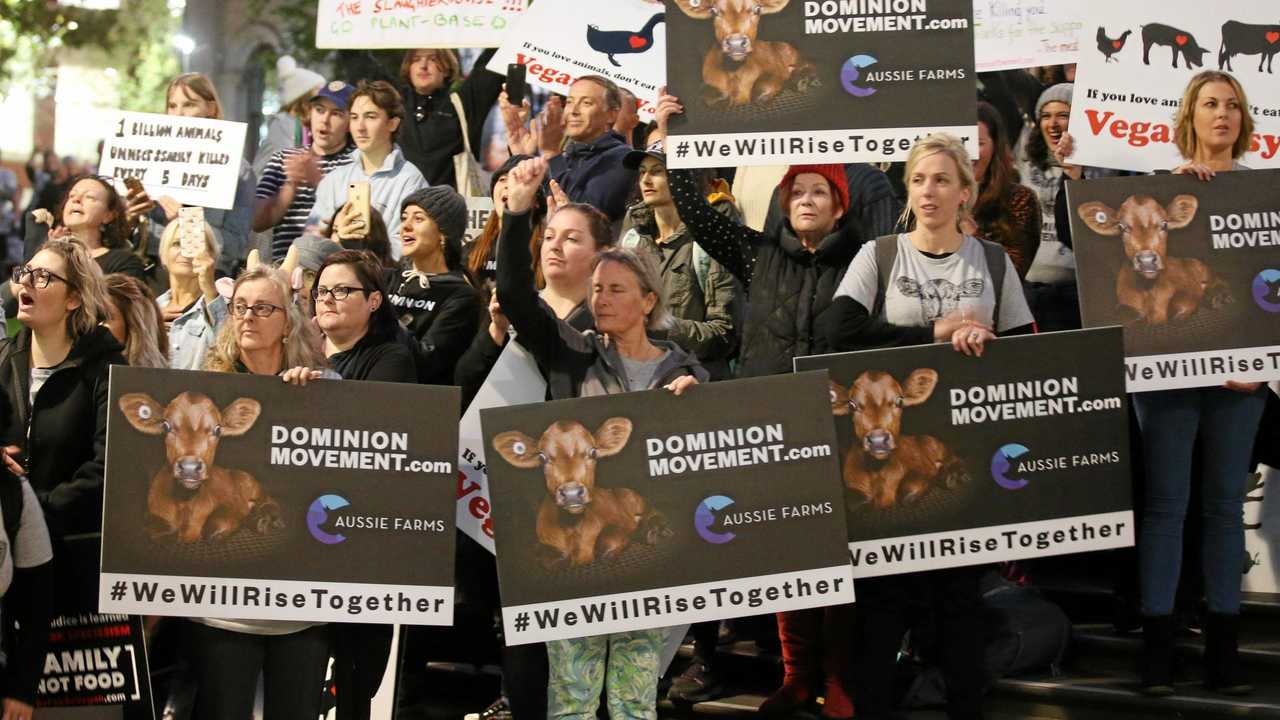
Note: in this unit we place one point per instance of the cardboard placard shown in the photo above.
(478, 211)
(810, 81)
(1190, 268)
(192, 160)
(1012, 34)
(949, 460)
(96, 661)
(647, 510)
(1136, 60)
(238, 496)
(391, 24)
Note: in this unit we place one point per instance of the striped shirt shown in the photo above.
(295, 216)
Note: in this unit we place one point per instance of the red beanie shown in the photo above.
(834, 175)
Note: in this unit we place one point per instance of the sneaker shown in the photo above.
(499, 709)
(698, 683)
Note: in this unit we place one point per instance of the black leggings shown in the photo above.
(226, 664)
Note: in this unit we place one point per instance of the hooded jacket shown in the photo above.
(593, 173)
(577, 364)
(431, 144)
(442, 313)
(789, 287)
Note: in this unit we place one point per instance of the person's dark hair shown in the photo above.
(115, 234)
(597, 222)
(995, 190)
(448, 60)
(372, 277)
(377, 242)
(383, 95)
(612, 95)
(1037, 149)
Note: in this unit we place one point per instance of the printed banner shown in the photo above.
(1136, 60)
(1191, 269)
(392, 24)
(96, 661)
(648, 510)
(478, 211)
(1012, 34)
(949, 460)
(1261, 523)
(829, 81)
(192, 160)
(514, 380)
(561, 40)
(239, 496)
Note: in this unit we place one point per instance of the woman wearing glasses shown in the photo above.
(266, 335)
(192, 306)
(54, 377)
(362, 342)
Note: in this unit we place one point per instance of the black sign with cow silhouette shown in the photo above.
(779, 82)
(239, 496)
(647, 510)
(1190, 270)
(948, 460)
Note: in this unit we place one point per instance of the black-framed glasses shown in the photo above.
(40, 278)
(337, 292)
(262, 310)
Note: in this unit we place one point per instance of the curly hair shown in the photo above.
(115, 234)
(147, 344)
(300, 348)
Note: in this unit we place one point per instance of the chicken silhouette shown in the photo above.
(623, 42)
(1109, 46)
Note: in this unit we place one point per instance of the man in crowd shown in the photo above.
(287, 190)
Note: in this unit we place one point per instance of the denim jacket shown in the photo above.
(192, 333)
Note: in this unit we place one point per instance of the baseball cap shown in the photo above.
(656, 150)
(337, 92)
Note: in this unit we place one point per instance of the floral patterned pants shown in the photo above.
(623, 664)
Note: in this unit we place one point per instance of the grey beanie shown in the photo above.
(1058, 93)
(446, 207)
(313, 249)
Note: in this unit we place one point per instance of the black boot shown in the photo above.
(1157, 655)
(1222, 670)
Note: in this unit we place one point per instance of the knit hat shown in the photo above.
(313, 249)
(1058, 93)
(295, 82)
(337, 92)
(445, 207)
(505, 168)
(834, 175)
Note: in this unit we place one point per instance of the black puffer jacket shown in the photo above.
(788, 287)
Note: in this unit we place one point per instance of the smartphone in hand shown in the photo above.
(191, 231)
(516, 84)
(358, 196)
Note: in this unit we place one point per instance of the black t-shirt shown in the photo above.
(121, 261)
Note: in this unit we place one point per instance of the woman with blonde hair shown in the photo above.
(134, 319)
(192, 306)
(54, 378)
(871, 310)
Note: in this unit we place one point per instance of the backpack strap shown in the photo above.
(886, 255)
(996, 265)
(702, 269)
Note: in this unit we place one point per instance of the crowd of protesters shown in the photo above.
(616, 275)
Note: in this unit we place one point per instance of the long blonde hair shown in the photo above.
(952, 147)
(1184, 124)
(300, 348)
(84, 278)
(148, 342)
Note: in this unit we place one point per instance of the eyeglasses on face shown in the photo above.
(40, 278)
(262, 310)
(337, 292)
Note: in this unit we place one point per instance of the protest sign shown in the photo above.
(238, 496)
(384, 24)
(192, 160)
(1136, 60)
(478, 211)
(817, 82)
(1191, 270)
(514, 380)
(561, 40)
(95, 661)
(950, 461)
(1012, 34)
(1261, 522)
(647, 510)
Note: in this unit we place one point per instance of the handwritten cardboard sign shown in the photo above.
(192, 160)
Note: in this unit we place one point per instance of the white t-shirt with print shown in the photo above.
(923, 289)
(33, 547)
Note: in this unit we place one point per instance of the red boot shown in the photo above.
(837, 638)
(798, 633)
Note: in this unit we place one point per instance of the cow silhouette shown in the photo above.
(1180, 41)
(1244, 39)
(940, 297)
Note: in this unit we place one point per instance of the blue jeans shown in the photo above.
(1169, 420)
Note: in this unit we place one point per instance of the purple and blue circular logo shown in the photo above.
(708, 515)
(849, 75)
(1266, 290)
(1002, 463)
(318, 515)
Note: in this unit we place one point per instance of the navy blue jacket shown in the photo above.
(592, 173)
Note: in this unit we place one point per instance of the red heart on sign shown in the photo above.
(1180, 39)
(1273, 36)
(1116, 44)
(637, 41)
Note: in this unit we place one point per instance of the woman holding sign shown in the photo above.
(267, 335)
(879, 304)
(616, 357)
(1213, 129)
